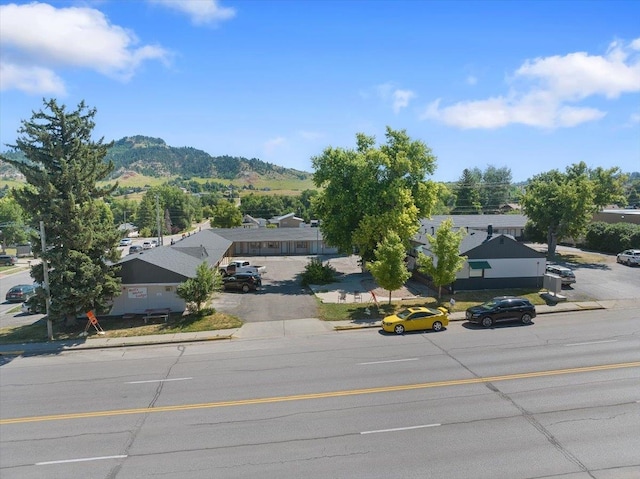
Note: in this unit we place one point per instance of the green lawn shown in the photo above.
(117, 327)
(464, 299)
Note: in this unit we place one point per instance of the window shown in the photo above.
(273, 244)
(476, 268)
(255, 244)
(301, 244)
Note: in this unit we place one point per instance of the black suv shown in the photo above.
(502, 308)
(244, 282)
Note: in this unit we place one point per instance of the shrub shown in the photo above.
(315, 272)
(612, 238)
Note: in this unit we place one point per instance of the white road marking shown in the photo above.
(85, 459)
(158, 381)
(390, 361)
(593, 342)
(401, 428)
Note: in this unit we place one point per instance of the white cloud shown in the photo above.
(273, 144)
(34, 80)
(401, 99)
(200, 11)
(549, 89)
(634, 119)
(387, 92)
(311, 135)
(38, 38)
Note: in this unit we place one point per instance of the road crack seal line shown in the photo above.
(526, 414)
(133, 434)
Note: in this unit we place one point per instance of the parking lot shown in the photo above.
(282, 297)
(603, 281)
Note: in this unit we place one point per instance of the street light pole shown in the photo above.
(45, 271)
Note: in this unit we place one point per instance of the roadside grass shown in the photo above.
(118, 327)
(580, 258)
(464, 299)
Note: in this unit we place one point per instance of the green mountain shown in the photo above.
(153, 157)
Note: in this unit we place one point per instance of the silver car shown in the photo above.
(630, 257)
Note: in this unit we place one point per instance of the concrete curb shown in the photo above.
(53, 346)
(459, 319)
(106, 343)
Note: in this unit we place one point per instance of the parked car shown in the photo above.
(126, 242)
(136, 248)
(8, 260)
(568, 276)
(416, 319)
(244, 282)
(502, 308)
(630, 257)
(30, 307)
(21, 293)
(147, 245)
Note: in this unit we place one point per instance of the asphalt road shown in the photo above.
(560, 398)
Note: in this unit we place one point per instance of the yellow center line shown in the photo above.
(322, 395)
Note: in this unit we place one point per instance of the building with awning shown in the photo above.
(494, 261)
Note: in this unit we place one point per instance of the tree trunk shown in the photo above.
(439, 292)
(552, 241)
(70, 320)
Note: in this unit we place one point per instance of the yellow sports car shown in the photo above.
(416, 319)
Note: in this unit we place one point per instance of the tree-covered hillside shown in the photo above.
(153, 157)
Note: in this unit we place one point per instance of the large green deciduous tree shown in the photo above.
(369, 192)
(389, 268)
(12, 222)
(563, 204)
(184, 209)
(496, 188)
(197, 291)
(226, 215)
(63, 167)
(445, 261)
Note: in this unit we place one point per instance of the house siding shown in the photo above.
(469, 284)
(136, 298)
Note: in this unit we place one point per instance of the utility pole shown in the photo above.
(45, 271)
(158, 224)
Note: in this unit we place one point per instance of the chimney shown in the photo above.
(489, 231)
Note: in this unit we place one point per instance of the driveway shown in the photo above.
(603, 280)
(280, 298)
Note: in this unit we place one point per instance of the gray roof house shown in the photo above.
(501, 224)
(494, 261)
(290, 220)
(150, 278)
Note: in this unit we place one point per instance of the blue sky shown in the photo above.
(532, 86)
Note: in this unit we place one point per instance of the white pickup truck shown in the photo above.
(241, 266)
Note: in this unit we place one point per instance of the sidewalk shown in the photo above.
(252, 331)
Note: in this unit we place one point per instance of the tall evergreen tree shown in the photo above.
(468, 197)
(62, 169)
